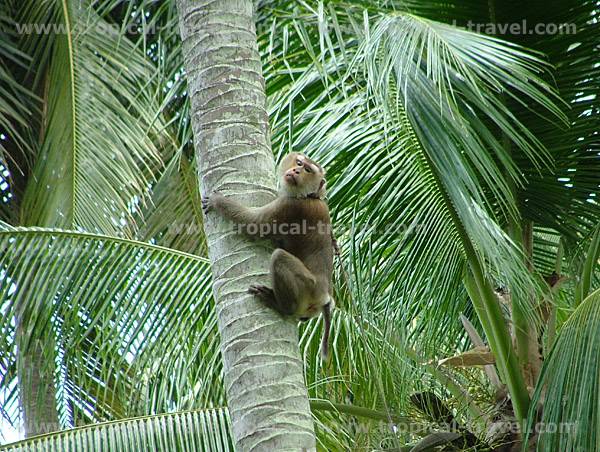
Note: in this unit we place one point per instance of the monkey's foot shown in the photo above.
(205, 204)
(262, 292)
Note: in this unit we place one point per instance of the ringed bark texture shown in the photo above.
(266, 393)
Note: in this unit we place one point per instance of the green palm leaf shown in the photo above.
(100, 138)
(207, 430)
(16, 104)
(133, 323)
(406, 112)
(569, 383)
(563, 195)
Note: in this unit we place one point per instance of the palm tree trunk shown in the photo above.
(36, 383)
(267, 397)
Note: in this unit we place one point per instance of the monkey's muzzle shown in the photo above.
(291, 178)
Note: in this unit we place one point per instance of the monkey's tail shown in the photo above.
(327, 328)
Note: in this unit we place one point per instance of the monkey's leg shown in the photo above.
(293, 284)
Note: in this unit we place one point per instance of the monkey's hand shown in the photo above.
(231, 210)
(211, 202)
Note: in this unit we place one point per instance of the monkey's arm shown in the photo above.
(259, 219)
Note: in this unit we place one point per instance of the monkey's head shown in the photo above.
(302, 177)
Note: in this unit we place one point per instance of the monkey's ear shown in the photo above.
(321, 192)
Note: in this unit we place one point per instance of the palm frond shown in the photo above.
(15, 99)
(562, 195)
(182, 431)
(16, 104)
(101, 133)
(133, 323)
(568, 383)
(446, 86)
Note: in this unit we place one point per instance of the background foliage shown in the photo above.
(439, 144)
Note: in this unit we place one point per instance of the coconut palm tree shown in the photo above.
(463, 175)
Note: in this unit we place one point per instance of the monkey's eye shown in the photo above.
(299, 162)
(308, 170)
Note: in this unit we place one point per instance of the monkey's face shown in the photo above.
(301, 176)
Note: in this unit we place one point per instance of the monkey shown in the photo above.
(299, 225)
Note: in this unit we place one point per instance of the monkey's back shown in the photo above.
(304, 230)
